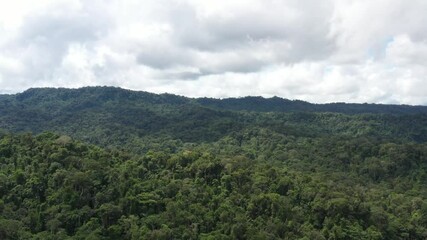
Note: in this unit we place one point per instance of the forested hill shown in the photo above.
(256, 104)
(113, 116)
(109, 163)
(276, 104)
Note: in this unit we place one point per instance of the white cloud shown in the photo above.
(334, 50)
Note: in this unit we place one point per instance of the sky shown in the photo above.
(319, 51)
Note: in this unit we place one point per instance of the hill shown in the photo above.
(113, 116)
(276, 104)
(109, 163)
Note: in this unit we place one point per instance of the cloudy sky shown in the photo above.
(319, 51)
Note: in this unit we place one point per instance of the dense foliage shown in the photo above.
(167, 167)
(116, 117)
(276, 104)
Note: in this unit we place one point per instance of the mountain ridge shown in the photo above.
(114, 116)
(246, 103)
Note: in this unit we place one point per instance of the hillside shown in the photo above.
(114, 116)
(109, 163)
(54, 188)
(276, 104)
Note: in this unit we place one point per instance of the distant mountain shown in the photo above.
(249, 103)
(109, 115)
(276, 104)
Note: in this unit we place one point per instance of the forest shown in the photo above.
(110, 163)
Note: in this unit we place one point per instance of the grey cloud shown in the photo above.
(302, 36)
(44, 39)
(299, 38)
(185, 75)
(59, 29)
(163, 57)
(306, 27)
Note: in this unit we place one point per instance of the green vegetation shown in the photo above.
(117, 164)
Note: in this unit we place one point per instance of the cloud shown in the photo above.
(336, 50)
